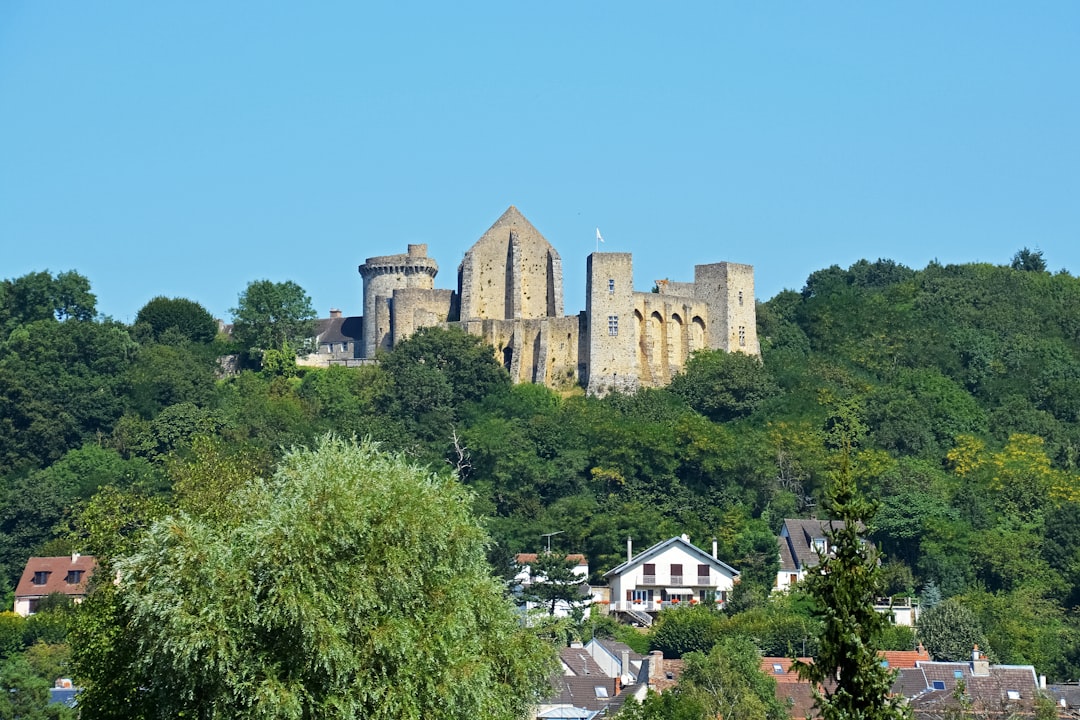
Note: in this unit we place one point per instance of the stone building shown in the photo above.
(510, 293)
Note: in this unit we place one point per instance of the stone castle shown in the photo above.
(510, 293)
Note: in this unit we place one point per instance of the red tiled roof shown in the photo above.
(905, 658)
(56, 577)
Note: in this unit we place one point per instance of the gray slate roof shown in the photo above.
(339, 329)
(800, 553)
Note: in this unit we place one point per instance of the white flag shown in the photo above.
(599, 237)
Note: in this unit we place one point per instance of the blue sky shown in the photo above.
(185, 149)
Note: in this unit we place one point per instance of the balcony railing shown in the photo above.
(676, 579)
(704, 580)
(648, 579)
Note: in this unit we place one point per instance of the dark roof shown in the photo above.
(616, 648)
(339, 329)
(660, 547)
(800, 539)
(578, 685)
(56, 579)
(1069, 693)
(989, 692)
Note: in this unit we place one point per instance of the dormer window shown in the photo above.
(821, 546)
(41, 577)
(74, 577)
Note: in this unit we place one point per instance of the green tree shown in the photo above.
(271, 316)
(40, 296)
(725, 683)
(949, 631)
(1028, 261)
(723, 386)
(186, 317)
(844, 586)
(553, 580)
(682, 630)
(350, 584)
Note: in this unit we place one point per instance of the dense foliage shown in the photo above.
(963, 382)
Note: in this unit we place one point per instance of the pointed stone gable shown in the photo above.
(511, 272)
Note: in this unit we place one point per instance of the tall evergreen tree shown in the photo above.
(850, 681)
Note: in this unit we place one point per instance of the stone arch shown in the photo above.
(657, 346)
(697, 333)
(640, 343)
(676, 343)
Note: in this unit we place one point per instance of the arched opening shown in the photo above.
(676, 343)
(697, 334)
(657, 347)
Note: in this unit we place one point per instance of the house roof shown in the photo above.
(530, 558)
(1003, 687)
(339, 329)
(800, 536)
(905, 658)
(57, 575)
(581, 681)
(660, 547)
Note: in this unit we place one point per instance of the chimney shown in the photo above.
(656, 666)
(979, 664)
(625, 661)
(75, 558)
(418, 250)
(335, 313)
(629, 549)
(714, 556)
(1042, 682)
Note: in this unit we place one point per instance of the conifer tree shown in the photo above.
(850, 681)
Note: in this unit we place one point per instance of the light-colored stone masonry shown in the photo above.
(510, 293)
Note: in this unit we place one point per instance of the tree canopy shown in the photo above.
(350, 584)
(273, 316)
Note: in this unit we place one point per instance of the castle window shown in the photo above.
(740, 297)
(613, 325)
(742, 335)
(611, 286)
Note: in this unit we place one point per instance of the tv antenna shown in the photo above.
(549, 536)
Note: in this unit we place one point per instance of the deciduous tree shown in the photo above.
(350, 584)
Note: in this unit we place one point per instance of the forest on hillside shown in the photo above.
(960, 385)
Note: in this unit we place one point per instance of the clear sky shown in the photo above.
(185, 149)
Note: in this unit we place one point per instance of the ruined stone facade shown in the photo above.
(510, 293)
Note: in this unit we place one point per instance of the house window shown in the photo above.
(611, 286)
(613, 325)
(1013, 694)
(648, 571)
(793, 578)
(601, 691)
(820, 546)
(640, 596)
(74, 577)
(958, 674)
(778, 668)
(676, 574)
(939, 684)
(703, 574)
(742, 336)
(41, 577)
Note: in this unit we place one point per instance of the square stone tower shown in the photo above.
(609, 312)
(728, 291)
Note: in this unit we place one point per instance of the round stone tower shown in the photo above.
(382, 276)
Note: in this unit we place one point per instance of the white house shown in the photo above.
(802, 544)
(670, 573)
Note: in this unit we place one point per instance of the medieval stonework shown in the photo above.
(510, 293)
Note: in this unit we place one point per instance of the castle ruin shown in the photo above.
(510, 293)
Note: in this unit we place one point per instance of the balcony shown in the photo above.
(676, 579)
(648, 580)
(704, 580)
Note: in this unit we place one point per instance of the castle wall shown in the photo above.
(511, 272)
(415, 308)
(669, 328)
(611, 329)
